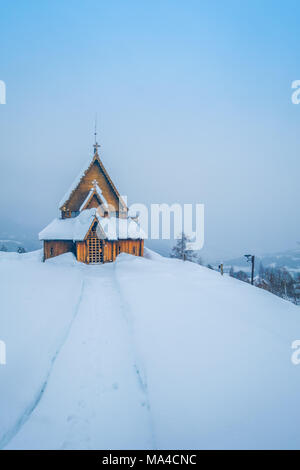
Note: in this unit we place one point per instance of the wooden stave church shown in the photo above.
(87, 209)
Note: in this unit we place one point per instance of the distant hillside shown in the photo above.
(13, 245)
(289, 259)
(10, 245)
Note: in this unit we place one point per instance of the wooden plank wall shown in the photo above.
(54, 248)
(111, 249)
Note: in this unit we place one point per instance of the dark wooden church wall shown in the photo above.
(54, 248)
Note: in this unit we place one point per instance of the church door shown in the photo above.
(94, 247)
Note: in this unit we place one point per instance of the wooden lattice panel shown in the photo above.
(95, 250)
(94, 246)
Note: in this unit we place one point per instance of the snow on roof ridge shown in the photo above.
(94, 189)
(86, 199)
(99, 192)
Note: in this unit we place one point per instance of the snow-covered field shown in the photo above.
(146, 353)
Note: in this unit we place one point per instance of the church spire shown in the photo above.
(96, 145)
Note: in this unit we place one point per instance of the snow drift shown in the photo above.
(143, 353)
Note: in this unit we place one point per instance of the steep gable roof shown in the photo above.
(80, 177)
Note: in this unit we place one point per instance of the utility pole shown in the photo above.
(251, 259)
(252, 270)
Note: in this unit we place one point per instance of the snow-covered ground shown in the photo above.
(147, 353)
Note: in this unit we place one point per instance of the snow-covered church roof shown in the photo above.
(76, 228)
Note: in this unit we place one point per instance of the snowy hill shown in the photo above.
(143, 353)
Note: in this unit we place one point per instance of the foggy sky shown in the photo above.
(193, 102)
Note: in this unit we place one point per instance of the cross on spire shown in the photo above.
(96, 145)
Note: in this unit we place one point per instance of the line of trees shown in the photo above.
(276, 280)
